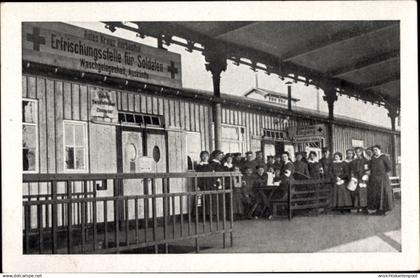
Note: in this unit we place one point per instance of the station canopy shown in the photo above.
(356, 58)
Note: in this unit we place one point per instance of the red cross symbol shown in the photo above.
(35, 38)
(172, 69)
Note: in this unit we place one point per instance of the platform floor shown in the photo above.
(332, 232)
(329, 232)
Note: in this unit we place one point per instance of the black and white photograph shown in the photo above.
(162, 137)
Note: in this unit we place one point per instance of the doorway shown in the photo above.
(140, 150)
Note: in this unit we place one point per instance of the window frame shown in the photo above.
(85, 145)
(36, 137)
(241, 138)
(186, 150)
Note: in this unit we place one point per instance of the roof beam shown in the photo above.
(234, 29)
(364, 63)
(336, 38)
(394, 77)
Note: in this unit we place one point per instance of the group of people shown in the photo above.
(360, 181)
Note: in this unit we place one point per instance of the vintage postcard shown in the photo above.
(227, 136)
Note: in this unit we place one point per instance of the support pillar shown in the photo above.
(393, 114)
(216, 64)
(330, 96)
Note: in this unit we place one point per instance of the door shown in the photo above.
(156, 148)
(142, 151)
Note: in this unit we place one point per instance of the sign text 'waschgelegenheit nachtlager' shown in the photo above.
(71, 47)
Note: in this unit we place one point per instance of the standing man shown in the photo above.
(249, 162)
(270, 162)
(259, 160)
(277, 163)
(237, 160)
(326, 163)
(300, 166)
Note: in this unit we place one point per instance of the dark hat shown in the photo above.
(325, 149)
(258, 152)
(270, 156)
(259, 166)
(216, 153)
(235, 154)
(248, 152)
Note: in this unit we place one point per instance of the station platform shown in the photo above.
(330, 232)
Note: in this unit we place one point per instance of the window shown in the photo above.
(193, 143)
(139, 119)
(75, 150)
(232, 138)
(29, 136)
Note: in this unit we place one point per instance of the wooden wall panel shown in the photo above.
(137, 103)
(205, 134)
(166, 115)
(175, 112)
(84, 102)
(59, 126)
(187, 116)
(67, 102)
(50, 125)
(182, 115)
(155, 105)
(24, 86)
(143, 103)
(124, 105)
(42, 126)
(161, 110)
(149, 108)
(131, 102)
(76, 102)
(31, 87)
(197, 117)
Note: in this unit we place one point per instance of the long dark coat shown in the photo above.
(358, 168)
(379, 192)
(341, 195)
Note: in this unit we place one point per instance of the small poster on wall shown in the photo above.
(103, 105)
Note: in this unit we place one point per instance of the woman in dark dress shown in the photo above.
(359, 168)
(203, 184)
(314, 166)
(339, 170)
(379, 192)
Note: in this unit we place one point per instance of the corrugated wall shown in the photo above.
(343, 138)
(255, 122)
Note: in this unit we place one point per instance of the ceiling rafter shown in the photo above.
(273, 63)
(381, 82)
(364, 63)
(336, 38)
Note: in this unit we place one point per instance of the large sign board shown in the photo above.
(70, 47)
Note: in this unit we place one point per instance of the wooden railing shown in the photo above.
(396, 186)
(309, 194)
(65, 219)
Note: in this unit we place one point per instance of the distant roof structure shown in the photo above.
(266, 92)
(357, 58)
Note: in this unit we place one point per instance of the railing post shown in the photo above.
(231, 208)
(165, 211)
(197, 244)
(116, 214)
(224, 210)
(54, 216)
(69, 218)
(290, 191)
(154, 214)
